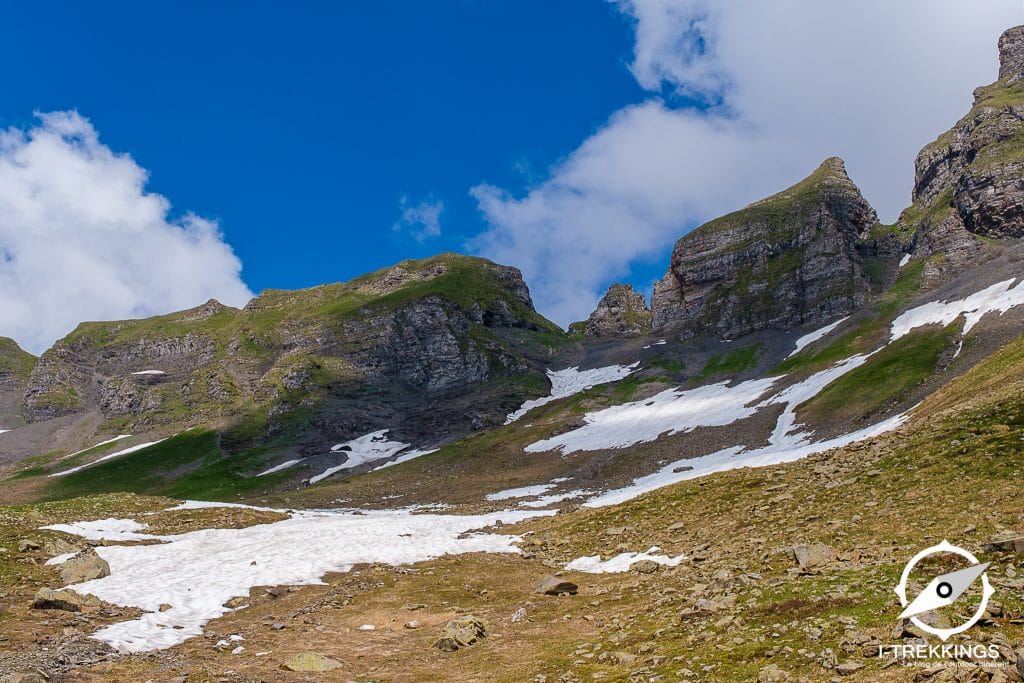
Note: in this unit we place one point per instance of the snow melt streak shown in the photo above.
(572, 381)
(197, 572)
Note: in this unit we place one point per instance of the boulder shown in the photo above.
(66, 600)
(1010, 542)
(85, 566)
(552, 585)
(462, 632)
(811, 555)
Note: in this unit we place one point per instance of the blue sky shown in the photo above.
(154, 155)
(301, 128)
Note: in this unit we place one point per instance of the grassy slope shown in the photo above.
(14, 361)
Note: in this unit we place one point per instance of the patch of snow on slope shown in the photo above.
(105, 529)
(816, 335)
(571, 381)
(592, 564)
(406, 457)
(283, 466)
(366, 448)
(544, 501)
(60, 559)
(521, 492)
(116, 454)
(119, 437)
(904, 261)
(734, 458)
(4, 430)
(149, 372)
(998, 298)
(672, 411)
(197, 572)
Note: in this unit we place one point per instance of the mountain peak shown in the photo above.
(1011, 54)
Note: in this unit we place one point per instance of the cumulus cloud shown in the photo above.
(82, 239)
(746, 97)
(421, 221)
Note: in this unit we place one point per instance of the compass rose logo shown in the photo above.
(944, 590)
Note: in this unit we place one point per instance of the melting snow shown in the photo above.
(126, 451)
(657, 343)
(592, 564)
(149, 372)
(733, 458)
(4, 430)
(904, 261)
(119, 437)
(544, 501)
(197, 572)
(998, 298)
(283, 466)
(571, 381)
(816, 335)
(406, 457)
(367, 448)
(672, 411)
(60, 559)
(105, 529)
(522, 492)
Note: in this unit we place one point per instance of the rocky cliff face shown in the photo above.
(620, 313)
(970, 181)
(15, 367)
(413, 331)
(797, 257)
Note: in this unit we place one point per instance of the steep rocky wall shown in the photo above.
(794, 258)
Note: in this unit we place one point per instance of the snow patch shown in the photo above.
(105, 529)
(149, 372)
(119, 437)
(406, 457)
(366, 448)
(522, 492)
(592, 564)
(283, 466)
(816, 335)
(733, 458)
(998, 298)
(197, 572)
(60, 559)
(572, 381)
(672, 411)
(116, 454)
(544, 501)
(904, 261)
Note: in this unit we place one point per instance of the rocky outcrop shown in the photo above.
(792, 259)
(15, 367)
(970, 181)
(353, 356)
(620, 313)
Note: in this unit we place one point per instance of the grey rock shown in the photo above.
(28, 545)
(809, 556)
(66, 600)
(85, 566)
(792, 259)
(552, 585)
(620, 313)
(772, 674)
(462, 632)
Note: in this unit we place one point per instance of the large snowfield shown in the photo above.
(197, 572)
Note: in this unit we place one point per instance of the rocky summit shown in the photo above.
(414, 476)
(797, 257)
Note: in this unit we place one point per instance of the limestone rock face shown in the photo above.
(1011, 54)
(794, 258)
(620, 313)
(970, 181)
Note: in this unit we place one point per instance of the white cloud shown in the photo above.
(82, 239)
(792, 82)
(421, 221)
